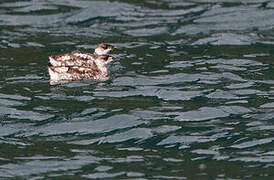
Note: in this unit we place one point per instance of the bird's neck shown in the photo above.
(101, 66)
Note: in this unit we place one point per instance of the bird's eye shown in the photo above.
(104, 46)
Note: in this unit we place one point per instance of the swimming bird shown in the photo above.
(79, 58)
(97, 70)
(80, 66)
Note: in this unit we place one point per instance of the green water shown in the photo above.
(189, 97)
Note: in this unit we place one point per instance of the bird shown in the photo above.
(81, 66)
(78, 58)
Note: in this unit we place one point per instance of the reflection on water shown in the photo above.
(190, 98)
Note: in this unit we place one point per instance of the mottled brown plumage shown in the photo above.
(78, 66)
(76, 73)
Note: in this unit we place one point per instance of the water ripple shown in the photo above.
(206, 113)
(104, 125)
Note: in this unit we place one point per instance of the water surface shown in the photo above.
(191, 96)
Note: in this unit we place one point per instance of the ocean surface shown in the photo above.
(190, 96)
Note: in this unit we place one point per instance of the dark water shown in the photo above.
(191, 96)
